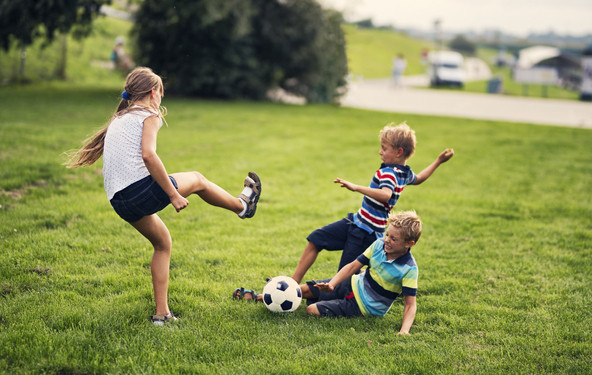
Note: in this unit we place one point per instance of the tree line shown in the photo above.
(209, 48)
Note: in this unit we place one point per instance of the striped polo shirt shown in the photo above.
(373, 215)
(384, 280)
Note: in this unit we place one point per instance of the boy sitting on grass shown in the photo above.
(391, 272)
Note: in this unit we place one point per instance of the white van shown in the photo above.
(446, 68)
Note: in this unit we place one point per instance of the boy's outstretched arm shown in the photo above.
(381, 195)
(344, 273)
(427, 172)
(408, 314)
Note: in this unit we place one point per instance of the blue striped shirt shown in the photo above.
(384, 280)
(373, 215)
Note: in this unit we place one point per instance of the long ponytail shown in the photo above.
(138, 84)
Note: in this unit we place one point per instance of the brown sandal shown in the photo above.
(160, 320)
(254, 183)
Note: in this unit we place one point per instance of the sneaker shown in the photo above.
(253, 182)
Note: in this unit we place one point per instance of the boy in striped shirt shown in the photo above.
(391, 272)
(356, 232)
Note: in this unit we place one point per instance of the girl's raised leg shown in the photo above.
(195, 183)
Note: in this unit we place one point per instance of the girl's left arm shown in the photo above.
(155, 165)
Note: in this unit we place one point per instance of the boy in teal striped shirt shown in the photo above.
(391, 272)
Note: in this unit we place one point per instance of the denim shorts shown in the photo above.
(339, 302)
(142, 198)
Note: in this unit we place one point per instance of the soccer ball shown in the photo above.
(282, 294)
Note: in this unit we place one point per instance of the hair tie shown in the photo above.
(125, 95)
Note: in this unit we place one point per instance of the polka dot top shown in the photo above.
(122, 155)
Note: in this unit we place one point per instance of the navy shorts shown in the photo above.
(142, 198)
(339, 302)
(343, 235)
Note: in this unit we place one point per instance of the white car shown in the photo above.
(446, 68)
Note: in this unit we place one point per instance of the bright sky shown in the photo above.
(518, 17)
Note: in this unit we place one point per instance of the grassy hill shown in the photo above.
(370, 52)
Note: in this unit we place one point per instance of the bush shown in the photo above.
(462, 45)
(243, 48)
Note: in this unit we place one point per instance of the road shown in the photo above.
(382, 95)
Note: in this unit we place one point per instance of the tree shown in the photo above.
(26, 20)
(462, 45)
(243, 48)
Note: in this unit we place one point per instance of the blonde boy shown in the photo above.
(391, 272)
(354, 233)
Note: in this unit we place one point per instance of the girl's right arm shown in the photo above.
(155, 165)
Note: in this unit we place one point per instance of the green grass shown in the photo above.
(505, 257)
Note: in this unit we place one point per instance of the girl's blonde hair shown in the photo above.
(399, 136)
(138, 84)
(408, 224)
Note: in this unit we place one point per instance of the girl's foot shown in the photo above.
(250, 195)
(160, 320)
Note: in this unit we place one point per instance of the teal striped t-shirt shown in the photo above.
(384, 280)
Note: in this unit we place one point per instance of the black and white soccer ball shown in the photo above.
(282, 294)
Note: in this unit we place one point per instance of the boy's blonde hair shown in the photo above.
(138, 84)
(408, 224)
(399, 136)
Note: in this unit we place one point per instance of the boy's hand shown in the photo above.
(324, 287)
(445, 155)
(346, 184)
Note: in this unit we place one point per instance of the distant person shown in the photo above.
(119, 57)
(399, 66)
(137, 183)
(424, 56)
(372, 292)
(354, 233)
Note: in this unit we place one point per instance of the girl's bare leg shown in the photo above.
(195, 183)
(154, 229)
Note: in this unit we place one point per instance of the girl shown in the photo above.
(136, 180)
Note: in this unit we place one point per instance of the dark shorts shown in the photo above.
(343, 235)
(142, 198)
(339, 302)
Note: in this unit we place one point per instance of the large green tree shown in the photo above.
(243, 48)
(23, 21)
(26, 20)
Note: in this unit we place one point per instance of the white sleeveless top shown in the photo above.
(122, 154)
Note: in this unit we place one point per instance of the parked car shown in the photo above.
(446, 68)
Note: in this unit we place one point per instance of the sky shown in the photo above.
(517, 17)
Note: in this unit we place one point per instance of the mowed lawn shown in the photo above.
(505, 257)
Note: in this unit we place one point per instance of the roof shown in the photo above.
(532, 55)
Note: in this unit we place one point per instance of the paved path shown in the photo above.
(382, 95)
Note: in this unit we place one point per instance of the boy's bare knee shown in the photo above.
(313, 310)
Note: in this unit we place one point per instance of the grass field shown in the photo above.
(505, 257)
